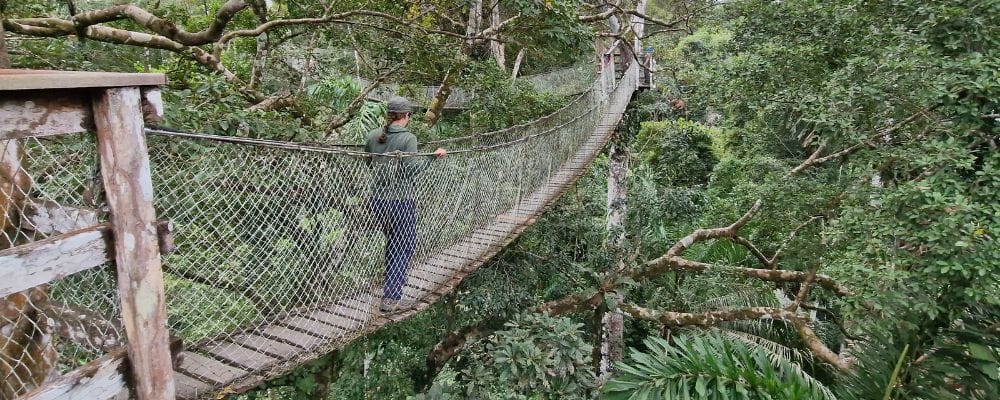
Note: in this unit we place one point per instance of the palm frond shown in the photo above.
(776, 349)
(368, 117)
(738, 298)
(959, 361)
(709, 367)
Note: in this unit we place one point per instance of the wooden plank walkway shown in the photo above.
(243, 362)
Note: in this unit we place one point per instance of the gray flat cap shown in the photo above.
(399, 105)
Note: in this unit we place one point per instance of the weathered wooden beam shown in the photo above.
(51, 218)
(100, 379)
(27, 355)
(33, 113)
(43, 261)
(35, 79)
(83, 327)
(152, 104)
(121, 144)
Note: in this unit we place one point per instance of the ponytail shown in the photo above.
(389, 119)
(385, 130)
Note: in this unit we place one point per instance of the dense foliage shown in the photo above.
(900, 100)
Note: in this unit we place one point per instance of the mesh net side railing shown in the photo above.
(261, 231)
(51, 186)
(567, 81)
(582, 104)
(265, 231)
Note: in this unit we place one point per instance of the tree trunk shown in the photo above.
(497, 47)
(436, 108)
(310, 63)
(4, 59)
(259, 61)
(517, 64)
(263, 46)
(326, 375)
(475, 18)
(612, 322)
(638, 25)
(618, 167)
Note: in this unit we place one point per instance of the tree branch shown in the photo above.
(753, 250)
(804, 289)
(612, 8)
(700, 235)
(570, 304)
(673, 263)
(711, 318)
(454, 341)
(161, 26)
(773, 261)
(342, 18)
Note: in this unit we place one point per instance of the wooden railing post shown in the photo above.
(125, 170)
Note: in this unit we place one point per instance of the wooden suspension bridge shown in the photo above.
(46, 103)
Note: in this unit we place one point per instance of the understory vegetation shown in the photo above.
(812, 206)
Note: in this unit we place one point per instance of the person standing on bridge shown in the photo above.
(393, 195)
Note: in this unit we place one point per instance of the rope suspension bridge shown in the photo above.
(271, 256)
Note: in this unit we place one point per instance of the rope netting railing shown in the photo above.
(51, 186)
(582, 104)
(264, 228)
(567, 81)
(268, 230)
(594, 94)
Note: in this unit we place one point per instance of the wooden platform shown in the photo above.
(243, 362)
(32, 79)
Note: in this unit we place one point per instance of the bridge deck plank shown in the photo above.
(424, 278)
(442, 264)
(210, 369)
(290, 336)
(187, 387)
(482, 242)
(246, 358)
(313, 327)
(438, 266)
(359, 307)
(456, 256)
(421, 283)
(271, 347)
(339, 321)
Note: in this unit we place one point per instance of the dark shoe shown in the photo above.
(388, 306)
(392, 306)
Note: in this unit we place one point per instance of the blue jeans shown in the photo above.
(398, 221)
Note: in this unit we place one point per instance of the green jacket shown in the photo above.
(394, 177)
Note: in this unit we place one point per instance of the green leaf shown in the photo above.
(981, 352)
